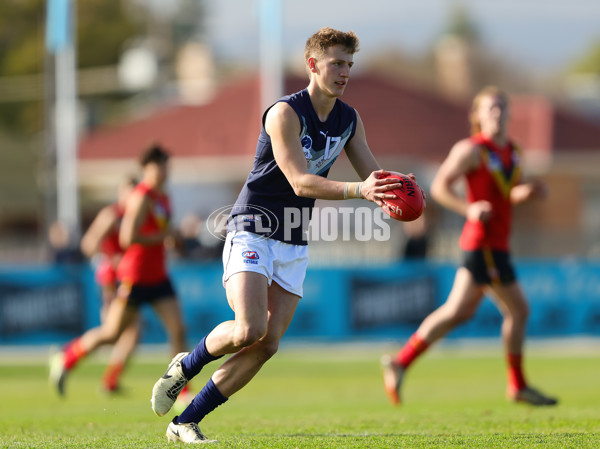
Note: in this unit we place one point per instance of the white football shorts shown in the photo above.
(277, 261)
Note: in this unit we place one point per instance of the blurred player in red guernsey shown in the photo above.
(141, 273)
(489, 162)
(102, 239)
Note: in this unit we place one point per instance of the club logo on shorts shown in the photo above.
(250, 257)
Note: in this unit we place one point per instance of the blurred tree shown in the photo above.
(21, 53)
(20, 25)
(186, 23)
(458, 63)
(458, 54)
(464, 62)
(102, 28)
(589, 62)
(461, 24)
(582, 82)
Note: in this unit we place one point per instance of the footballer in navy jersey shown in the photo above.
(265, 255)
(267, 194)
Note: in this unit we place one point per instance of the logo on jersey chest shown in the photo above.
(307, 147)
(161, 214)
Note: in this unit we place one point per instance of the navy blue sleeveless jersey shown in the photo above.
(267, 204)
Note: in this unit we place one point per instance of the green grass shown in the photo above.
(320, 397)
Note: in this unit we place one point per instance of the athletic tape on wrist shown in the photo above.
(352, 190)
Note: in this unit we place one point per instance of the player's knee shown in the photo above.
(460, 316)
(520, 314)
(248, 335)
(109, 335)
(268, 348)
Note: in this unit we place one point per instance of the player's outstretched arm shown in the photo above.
(100, 227)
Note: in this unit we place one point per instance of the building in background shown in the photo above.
(213, 148)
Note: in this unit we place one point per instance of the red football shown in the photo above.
(410, 202)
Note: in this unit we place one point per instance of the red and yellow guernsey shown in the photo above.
(498, 172)
(146, 264)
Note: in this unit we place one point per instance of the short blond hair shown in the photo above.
(488, 91)
(326, 37)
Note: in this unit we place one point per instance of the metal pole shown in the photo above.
(65, 126)
(271, 62)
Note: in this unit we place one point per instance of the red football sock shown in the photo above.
(411, 350)
(516, 379)
(110, 378)
(73, 352)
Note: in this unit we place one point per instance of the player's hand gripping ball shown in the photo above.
(410, 201)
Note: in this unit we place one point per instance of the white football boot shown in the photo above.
(188, 433)
(167, 388)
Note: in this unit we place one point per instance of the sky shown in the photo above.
(540, 35)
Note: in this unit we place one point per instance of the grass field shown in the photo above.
(319, 397)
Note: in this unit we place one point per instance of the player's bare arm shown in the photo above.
(135, 212)
(100, 227)
(463, 158)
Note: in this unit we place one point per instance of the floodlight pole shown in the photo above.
(270, 14)
(61, 43)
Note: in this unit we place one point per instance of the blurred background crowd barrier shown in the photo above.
(52, 304)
